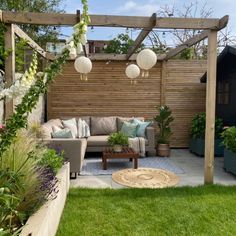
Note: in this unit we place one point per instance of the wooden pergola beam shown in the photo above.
(195, 39)
(109, 20)
(116, 57)
(143, 34)
(21, 34)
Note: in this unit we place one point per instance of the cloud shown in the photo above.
(134, 8)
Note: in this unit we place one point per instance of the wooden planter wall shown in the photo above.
(108, 92)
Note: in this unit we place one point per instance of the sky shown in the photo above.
(145, 8)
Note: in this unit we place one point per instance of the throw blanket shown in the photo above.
(138, 145)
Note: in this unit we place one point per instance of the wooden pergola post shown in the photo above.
(9, 65)
(210, 107)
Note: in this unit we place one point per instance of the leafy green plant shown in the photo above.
(52, 160)
(118, 138)
(121, 44)
(229, 138)
(198, 126)
(164, 120)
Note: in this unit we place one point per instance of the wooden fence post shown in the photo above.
(162, 83)
(210, 107)
(9, 65)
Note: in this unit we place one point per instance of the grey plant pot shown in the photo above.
(197, 146)
(230, 161)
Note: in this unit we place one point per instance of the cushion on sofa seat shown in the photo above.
(120, 121)
(71, 124)
(47, 127)
(103, 125)
(98, 140)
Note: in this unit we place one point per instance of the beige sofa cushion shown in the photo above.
(47, 127)
(103, 125)
(98, 140)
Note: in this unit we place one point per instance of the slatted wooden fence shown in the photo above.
(108, 92)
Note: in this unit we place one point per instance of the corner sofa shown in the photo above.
(100, 128)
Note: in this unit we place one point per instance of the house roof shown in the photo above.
(227, 51)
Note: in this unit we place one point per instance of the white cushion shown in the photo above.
(71, 125)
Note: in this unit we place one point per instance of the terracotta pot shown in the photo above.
(163, 150)
(117, 148)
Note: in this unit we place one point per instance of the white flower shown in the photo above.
(71, 44)
(85, 28)
(83, 39)
(79, 48)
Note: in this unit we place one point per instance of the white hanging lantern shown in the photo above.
(83, 65)
(132, 71)
(73, 53)
(146, 59)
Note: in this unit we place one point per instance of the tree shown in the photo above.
(121, 44)
(199, 50)
(41, 34)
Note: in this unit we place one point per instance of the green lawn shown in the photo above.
(207, 210)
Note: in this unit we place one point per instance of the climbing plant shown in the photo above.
(19, 119)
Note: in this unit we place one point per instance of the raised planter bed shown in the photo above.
(197, 146)
(230, 161)
(46, 220)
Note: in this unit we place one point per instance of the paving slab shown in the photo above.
(193, 167)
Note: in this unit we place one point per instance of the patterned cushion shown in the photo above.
(129, 129)
(142, 125)
(83, 129)
(103, 125)
(71, 125)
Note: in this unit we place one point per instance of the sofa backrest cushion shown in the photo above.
(103, 125)
(120, 121)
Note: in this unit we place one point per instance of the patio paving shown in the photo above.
(193, 167)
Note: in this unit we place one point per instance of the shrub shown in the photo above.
(52, 160)
(229, 138)
(118, 138)
(25, 186)
(164, 120)
(198, 126)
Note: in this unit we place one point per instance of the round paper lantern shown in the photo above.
(132, 71)
(146, 59)
(83, 65)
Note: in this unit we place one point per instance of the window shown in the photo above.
(223, 92)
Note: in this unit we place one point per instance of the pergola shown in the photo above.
(208, 26)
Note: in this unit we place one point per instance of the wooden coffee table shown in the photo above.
(127, 153)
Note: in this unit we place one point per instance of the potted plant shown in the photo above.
(164, 120)
(117, 141)
(197, 133)
(229, 141)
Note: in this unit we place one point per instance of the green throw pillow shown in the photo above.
(129, 129)
(142, 125)
(64, 133)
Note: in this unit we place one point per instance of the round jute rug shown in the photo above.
(145, 178)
